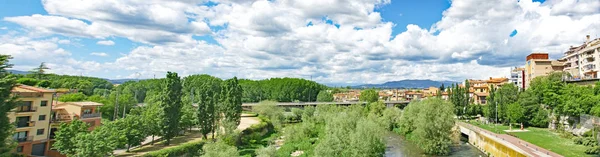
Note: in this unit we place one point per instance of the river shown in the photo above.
(398, 146)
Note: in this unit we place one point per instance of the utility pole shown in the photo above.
(116, 113)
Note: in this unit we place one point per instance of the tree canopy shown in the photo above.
(7, 103)
(369, 95)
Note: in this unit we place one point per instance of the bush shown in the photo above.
(593, 150)
(44, 84)
(72, 97)
(578, 140)
(189, 149)
(589, 141)
(28, 81)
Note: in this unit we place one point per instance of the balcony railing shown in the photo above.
(25, 124)
(26, 109)
(91, 115)
(24, 139)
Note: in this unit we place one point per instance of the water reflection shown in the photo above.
(397, 146)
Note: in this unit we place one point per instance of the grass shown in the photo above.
(194, 135)
(541, 137)
(552, 141)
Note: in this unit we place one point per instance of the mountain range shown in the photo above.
(408, 84)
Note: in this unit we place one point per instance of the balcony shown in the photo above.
(21, 109)
(25, 124)
(91, 115)
(24, 139)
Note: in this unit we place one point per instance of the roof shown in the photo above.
(83, 103)
(30, 89)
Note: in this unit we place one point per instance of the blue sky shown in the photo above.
(366, 41)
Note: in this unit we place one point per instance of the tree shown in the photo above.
(133, 129)
(514, 112)
(324, 96)
(66, 135)
(28, 81)
(170, 102)
(100, 142)
(7, 103)
(218, 149)
(188, 117)
(152, 120)
(40, 71)
(72, 97)
(499, 100)
(459, 96)
(416, 124)
(231, 99)
(270, 110)
(44, 84)
(369, 95)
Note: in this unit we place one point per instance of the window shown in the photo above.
(44, 103)
(40, 131)
(42, 117)
(87, 111)
(20, 149)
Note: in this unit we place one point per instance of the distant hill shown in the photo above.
(408, 84)
(121, 81)
(18, 72)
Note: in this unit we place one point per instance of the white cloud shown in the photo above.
(261, 39)
(100, 54)
(64, 41)
(105, 42)
(3, 28)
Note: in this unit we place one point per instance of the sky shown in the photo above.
(328, 41)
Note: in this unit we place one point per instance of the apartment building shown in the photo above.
(32, 119)
(479, 90)
(352, 95)
(413, 95)
(538, 64)
(517, 77)
(581, 61)
(64, 112)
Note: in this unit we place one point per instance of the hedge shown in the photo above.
(189, 149)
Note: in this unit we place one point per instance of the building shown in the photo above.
(538, 64)
(517, 77)
(64, 112)
(479, 90)
(31, 119)
(413, 95)
(431, 91)
(581, 62)
(352, 95)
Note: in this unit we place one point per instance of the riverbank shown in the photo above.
(398, 146)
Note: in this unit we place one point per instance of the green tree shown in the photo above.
(40, 71)
(369, 95)
(188, 117)
(416, 124)
(44, 84)
(28, 81)
(66, 135)
(152, 120)
(72, 97)
(133, 129)
(231, 100)
(576, 100)
(219, 149)
(514, 113)
(100, 142)
(7, 103)
(502, 97)
(324, 96)
(171, 105)
(270, 110)
(460, 98)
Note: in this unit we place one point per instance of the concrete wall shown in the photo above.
(491, 145)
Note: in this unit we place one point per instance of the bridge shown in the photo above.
(501, 144)
(314, 104)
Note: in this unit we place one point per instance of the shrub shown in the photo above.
(589, 141)
(72, 97)
(28, 81)
(593, 150)
(189, 149)
(44, 84)
(578, 140)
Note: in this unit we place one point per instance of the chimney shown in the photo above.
(490, 78)
(587, 39)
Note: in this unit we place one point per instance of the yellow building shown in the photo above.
(480, 89)
(538, 64)
(64, 112)
(31, 118)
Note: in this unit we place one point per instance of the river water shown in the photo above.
(398, 146)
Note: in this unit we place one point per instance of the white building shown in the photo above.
(517, 77)
(582, 62)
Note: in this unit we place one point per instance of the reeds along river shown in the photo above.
(398, 146)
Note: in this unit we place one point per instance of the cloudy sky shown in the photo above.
(334, 41)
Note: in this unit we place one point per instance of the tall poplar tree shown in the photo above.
(206, 112)
(7, 103)
(171, 105)
(231, 99)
